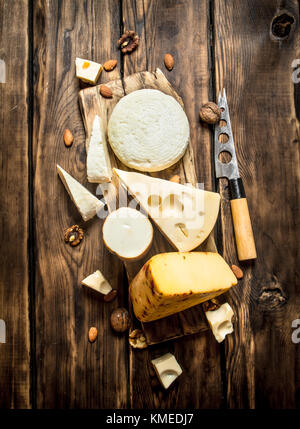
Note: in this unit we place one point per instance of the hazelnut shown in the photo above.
(120, 320)
(210, 113)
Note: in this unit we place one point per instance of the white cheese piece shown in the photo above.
(167, 369)
(220, 321)
(98, 162)
(127, 233)
(148, 130)
(97, 282)
(87, 70)
(87, 204)
(184, 214)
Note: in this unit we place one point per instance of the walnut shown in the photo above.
(137, 339)
(128, 42)
(73, 235)
(120, 320)
(210, 113)
(211, 305)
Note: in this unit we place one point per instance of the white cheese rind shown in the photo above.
(97, 282)
(98, 162)
(184, 214)
(148, 130)
(220, 321)
(167, 369)
(87, 204)
(88, 74)
(127, 233)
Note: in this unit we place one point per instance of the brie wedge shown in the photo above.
(184, 214)
(148, 130)
(87, 204)
(87, 70)
(98, 162)
(97, 282)
(127, 233)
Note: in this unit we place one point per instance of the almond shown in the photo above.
(237, 272)
(169, 61)
(175, 179)
(105, 91)
(68, 138)
(110, 296)
(110, 65)
(93, 333)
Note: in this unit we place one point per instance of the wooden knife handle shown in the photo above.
(241, 221)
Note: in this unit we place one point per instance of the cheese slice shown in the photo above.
(87, 70)
(220, 321)
(167, 369)
(97, 282)
(87, 204)
(98, 162)
(184, 214)
(171, 282)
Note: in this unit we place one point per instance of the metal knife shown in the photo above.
(239, 207)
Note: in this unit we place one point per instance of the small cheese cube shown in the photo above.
(97, 282)
(87, 70)
(220, 321)
(167, 369)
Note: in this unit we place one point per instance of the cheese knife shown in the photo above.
(239, 207)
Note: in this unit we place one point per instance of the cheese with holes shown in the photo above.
(97, 282)
(148, 130)
(167, 369)
(98, 162)
(220, 321)
(87, 70)
(171, 282)
(87, 204)
(184, 214)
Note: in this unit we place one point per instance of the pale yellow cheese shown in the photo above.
(171, 282)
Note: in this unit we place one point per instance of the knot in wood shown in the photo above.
(281, 25)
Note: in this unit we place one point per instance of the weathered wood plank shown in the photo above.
(166, 27)
(70, 371)
(262, 363)
(14, 232)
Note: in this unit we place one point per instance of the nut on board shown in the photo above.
(68, 138)
(110, 296)
(73, 235)
(211, 305)
(137, 339)
(93, 334)
(210, 113)
(128, 42)
(120, 320)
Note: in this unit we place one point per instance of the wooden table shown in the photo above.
(47, 361)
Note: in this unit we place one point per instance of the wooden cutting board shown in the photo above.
(190, 321)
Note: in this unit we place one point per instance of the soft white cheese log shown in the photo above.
(98, 162)
(97, 282)
(184, 214)
(87, 70)
(87, 204)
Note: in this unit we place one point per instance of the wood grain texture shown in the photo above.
(71, 372)
(166, 27)
(92, 103)
(262, 362)
(14, 232)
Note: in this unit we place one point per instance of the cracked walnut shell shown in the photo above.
(128, 42)
(211, 305)
(73, 235)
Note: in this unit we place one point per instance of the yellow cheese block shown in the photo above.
(172, 282)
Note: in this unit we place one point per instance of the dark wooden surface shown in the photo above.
(215, 43)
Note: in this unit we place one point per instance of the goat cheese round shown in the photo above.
(148, 130)
(127, 233)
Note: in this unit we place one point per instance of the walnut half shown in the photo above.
(128, 42)
(137, 339)
(73, 235)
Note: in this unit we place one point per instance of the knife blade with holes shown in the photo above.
(239, 207)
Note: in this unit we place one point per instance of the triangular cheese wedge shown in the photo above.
(87, 204)
(97, 282)
(98, 162)
(184, 214)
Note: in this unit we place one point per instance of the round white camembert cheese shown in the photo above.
(148, 130)
(127, 233)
